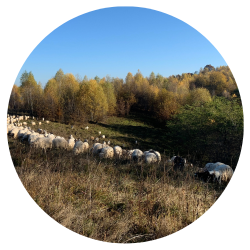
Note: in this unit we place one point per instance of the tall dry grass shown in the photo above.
(112, 200)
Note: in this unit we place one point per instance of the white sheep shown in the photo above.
(80, 147)
(87, 127)
(47, 122)
(33, 123)
(216, 172)
(222, 172)
(59, 142)
(43, 143)
(39, 123)
(33, 136)
(117, 151)
(106, 153)
(97, 147)
(21, 133)
(10, 127)
(26, 135)
(15, 131)
(137, 155)
(99, 132)
(211, 166)
(51, 136)
(152, 156)
(71, 142)
(129, 153)
(103, 136)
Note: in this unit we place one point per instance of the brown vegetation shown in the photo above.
(110, 200)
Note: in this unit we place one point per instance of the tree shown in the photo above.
(198, 97)
(109, 92)
(15, 98)
(51, 95)
(166, 105)
(217, 83)
(212, 131)
(29, 89)
(59, 75)
(152, 79)
(209, 67)
(97, 78)
(92, 100)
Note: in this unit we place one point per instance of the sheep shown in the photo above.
(51, 136)
(170, 162)
(137, 155)
(152, 156)
(103, 136)
(15, 131)
(106, 152)
(71, 142)
(47, 122)
(39, 123)
(86, 128)
(179, 163)
(43, 143)
(92, 138)
(222, 172)
(26, 135)
(108, 142)
(59, 142)
(80, 147)
(40, 131)
(129, 153)
(33, 123)
(97, 139)
(97, 147)
(43, 119)
(10, 127)
(117, 151)
(211, 166)
(25, 123)
(215, 172)
(21, 133)
(99, 132)
(33, 136)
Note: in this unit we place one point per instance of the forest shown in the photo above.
(67, 98)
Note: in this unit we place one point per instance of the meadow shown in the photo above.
(114, 200)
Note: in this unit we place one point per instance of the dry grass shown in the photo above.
(109, 200)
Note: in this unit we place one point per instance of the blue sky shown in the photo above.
(115, 41)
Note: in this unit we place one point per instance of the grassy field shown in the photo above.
(113, 200)
(119, 131)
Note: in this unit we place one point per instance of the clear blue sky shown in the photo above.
(115, 41)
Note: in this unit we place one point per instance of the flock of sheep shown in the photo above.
(17, 128)
(42, 139)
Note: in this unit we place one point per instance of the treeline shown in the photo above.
(66, 98)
